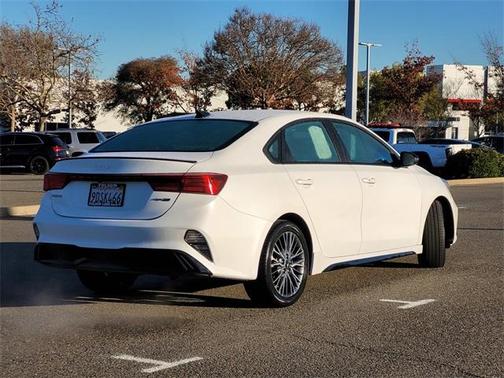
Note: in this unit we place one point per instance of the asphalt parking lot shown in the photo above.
(386, 319)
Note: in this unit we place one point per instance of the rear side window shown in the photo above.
(273, 150)
(191, 135)
(385, 135)
(87, 137)
(406, 137)
(65, 137)
(308, 142)
(27, 139)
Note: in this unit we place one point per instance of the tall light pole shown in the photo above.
(352, 59)
(67, 52)
(368, 69)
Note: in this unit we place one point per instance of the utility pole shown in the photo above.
(352, 62)
(368, 71)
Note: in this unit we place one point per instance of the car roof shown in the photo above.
(23, 133)
(256, 115)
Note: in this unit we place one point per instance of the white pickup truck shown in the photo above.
(431, 156)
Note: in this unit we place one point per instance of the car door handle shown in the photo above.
(304, 182)
(369, 180)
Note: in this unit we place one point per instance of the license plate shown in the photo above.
(104, 194)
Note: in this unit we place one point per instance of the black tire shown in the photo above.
(263, 290)
(105, 282)
(434, 248)
(39, 165)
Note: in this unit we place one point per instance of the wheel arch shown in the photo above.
(448, 220)
(424, 159)
(300, 222)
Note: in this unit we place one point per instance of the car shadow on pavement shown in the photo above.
(24, 282)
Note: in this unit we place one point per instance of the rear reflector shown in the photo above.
(196, 240)
(199, 183)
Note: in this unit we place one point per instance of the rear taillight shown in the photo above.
(60, 152)
(204, 183)
(53, 181)
(200, 183)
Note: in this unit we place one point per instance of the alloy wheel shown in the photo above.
(287, 264)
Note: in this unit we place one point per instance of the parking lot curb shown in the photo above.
(477, 181)
(18, 211)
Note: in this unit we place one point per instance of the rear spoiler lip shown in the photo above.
(130, 157)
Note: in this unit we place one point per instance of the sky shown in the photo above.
(450, 30)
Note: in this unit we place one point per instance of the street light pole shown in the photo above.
(368, 69)
(69, 85)
(69, 91)
(352, 59)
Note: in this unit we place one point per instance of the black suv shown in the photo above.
(35, 152)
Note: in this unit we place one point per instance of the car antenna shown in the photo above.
(201, 114)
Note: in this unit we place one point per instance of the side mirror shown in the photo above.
(77, 153)
(408, 159)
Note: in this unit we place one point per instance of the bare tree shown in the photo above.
(195, 93)
(268, 62)
(490, 112)
(34, 63)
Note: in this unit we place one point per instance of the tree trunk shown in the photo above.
(12, 118)
(40, 126)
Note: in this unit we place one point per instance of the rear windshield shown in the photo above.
(86, 137)
(191, 135)
(57, 141)
(406, 137)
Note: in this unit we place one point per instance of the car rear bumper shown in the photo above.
(235, 239)
(126, 260)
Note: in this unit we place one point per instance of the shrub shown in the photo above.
(476, 162)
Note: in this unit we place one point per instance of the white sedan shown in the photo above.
(261, 196)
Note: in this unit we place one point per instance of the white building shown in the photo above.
(111, 121)
(457, 86)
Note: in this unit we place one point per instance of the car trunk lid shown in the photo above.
(120, 186)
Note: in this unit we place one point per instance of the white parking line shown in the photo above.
(160, 365)
(409, 304)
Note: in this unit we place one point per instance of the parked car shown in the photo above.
(79, 140)
(493, 141)
(262, 196)
(451, 141)
(35, 152)
(433, 156)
